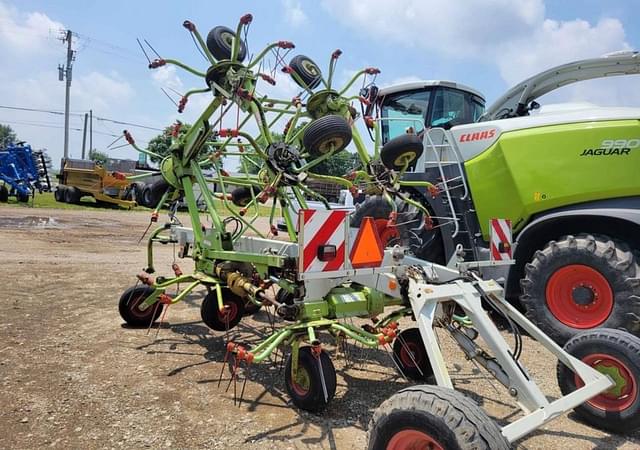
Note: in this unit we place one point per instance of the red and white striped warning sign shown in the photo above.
(501, 239)
(323, 237)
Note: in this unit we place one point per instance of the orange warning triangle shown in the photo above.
(367, 250)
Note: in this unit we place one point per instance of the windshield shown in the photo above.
(402, 111)
(455, 107)
(407, 111)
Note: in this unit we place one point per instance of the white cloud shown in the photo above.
(456, 29)
(167, 77)
(555, 42)
(293, 13)
(401, 80)
(29, 33)
(514, 34)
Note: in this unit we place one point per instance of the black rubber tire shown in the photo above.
(22, 198)
(307, 70)
(217, 321)
(137, 189)
(241, 196)
(406, 147)
(410, 340)
(424, 244)
(313, 399)
(251, 308)
(612, 259)
(327, 133)
(219, 44)
(145, 196)
(621, 345)
(156, 191)
(128, 303)
(71, 195)
(4, 194)
(59, 194)
(454, 421)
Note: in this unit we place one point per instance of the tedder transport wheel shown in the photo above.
(315, 383)
(615, 353)
(220, 41)
(326, 134)
(222, 320)
(433, 417)
(401, 151)
(307, 70)
(411, 357)
(4, 194)
(128, 307)
(579, 283)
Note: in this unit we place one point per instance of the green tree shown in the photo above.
(7, 135)
(162, 142)
(98, 157)
(338, 164)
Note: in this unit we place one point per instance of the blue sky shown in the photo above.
(487, 44)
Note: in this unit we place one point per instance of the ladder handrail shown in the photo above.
(429, 144)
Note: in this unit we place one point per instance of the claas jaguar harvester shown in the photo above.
(329, 271)
(563, 176)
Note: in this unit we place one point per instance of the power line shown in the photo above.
(51, 125)
(51, 111)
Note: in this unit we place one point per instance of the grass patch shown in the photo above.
(47, 200)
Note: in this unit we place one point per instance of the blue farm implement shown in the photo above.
(22, 172)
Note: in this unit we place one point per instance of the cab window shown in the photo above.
(455, 107)
(403, 111)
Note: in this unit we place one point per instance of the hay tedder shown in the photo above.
(329, 272)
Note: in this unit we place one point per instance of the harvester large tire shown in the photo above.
(4, 194)
(326, 134)
(616, 354)
(420, 242)
(307, 70)
(422, 417)
(580, 283)
(220, 41)
(401, 151)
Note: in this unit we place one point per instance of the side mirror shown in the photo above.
(371, 94)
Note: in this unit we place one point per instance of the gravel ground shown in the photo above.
(73, 376)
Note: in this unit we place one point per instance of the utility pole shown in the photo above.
(64, 73)
(84, 134)
(90, 131)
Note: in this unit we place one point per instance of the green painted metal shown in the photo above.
(537, 169)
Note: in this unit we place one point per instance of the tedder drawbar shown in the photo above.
(329, 270)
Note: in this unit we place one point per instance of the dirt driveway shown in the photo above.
(72, 376)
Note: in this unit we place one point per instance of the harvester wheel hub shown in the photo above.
(579, 296)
